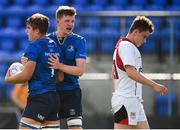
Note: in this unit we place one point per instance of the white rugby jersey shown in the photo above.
(126, 53)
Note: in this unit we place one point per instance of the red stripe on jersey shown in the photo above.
(126, 39)
(124, 121)
(118, 59)
(115, 71)
(123, 39)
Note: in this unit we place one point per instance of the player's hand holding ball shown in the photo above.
(14, 69)
(24, 60)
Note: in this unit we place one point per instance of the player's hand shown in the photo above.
(161, 89)
(7, 77)
(24, 60)
(53, 61)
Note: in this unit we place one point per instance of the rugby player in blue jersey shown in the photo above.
(73, 66)
(42, 107)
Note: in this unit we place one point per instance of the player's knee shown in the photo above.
(23, 124)
(51, 126)
(75, 122)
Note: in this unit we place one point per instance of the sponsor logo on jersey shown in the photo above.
(40, 117)
(133, 115)
(49, 53)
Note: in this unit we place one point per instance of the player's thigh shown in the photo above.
(122, 126)
(42, 107)
(52, 107)
(50, 122)
(121, 119)
(142, 125)
(142, 119)
(50, 125)
(27, 123)
(71, 104)
(128, 113)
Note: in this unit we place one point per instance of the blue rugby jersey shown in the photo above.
(42, 79)
(72, 48)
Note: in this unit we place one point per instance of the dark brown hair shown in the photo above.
(39, 21)
(142, 23)
(65, 10)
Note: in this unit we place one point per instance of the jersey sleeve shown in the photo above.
(127, 54)
(81, 49)
(32, 52)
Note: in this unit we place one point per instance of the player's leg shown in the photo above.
(28, 120)
(142, 125)
(142, 120)
(27, 123)
(71, 108)
(120, 126)
(121, 119)
(129, 113)
(74, 122)
(50, 125)
(52, 119)
(38, 109)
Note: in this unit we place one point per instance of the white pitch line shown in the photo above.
(153, 76)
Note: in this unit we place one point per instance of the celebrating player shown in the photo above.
(74, 59)
(41, 111)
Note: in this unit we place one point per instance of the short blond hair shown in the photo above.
(65, 10)
(142, 23)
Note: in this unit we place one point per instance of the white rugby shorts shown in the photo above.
(134, 108)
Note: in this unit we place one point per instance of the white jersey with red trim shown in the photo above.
(126, 53)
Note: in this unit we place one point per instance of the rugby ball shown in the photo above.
(16, 68)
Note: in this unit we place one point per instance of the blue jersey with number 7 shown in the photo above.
(43, 78)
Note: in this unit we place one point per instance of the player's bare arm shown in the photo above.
(24, 60)
(16, 95)
(112, 77)
(139, 77)
(59, 77)
(24, 76)
(77, 70)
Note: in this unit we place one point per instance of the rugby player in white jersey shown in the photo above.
(128, 78)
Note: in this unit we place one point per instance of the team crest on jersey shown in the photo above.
(70, 48)
(72, 112)
(133, 115)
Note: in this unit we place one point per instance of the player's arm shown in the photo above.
(139, 77)
(77, 70)
(24, 60)
(59, 77)
(113, 81)
(24, 76)
(15, 96)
